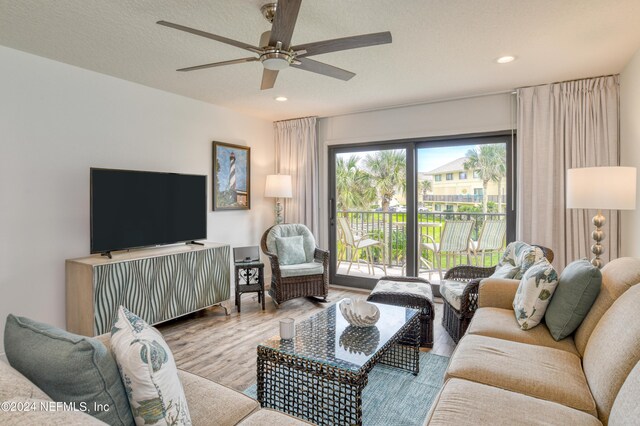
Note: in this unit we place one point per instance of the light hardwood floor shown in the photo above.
(223, 348)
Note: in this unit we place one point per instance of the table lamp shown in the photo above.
(278, 186)
(601, 188)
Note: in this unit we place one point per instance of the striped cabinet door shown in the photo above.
(161, 288)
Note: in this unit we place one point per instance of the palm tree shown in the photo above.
(388, 173)
(353, 185)
(489, 161)
(425, 186)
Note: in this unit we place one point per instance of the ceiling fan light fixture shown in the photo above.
(505, 59)
(276, 61)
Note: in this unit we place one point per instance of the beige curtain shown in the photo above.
(297, 155)
(563, 126)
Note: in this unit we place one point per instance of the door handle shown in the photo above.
(331, 215)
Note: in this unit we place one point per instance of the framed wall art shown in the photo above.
(231, 177)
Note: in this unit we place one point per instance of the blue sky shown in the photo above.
(431, 158)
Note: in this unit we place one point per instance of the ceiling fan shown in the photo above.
(276, 52)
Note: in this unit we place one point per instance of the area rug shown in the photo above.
(397, 397)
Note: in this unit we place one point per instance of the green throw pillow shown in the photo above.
(578, 287)
(290, 250)
(69, 368)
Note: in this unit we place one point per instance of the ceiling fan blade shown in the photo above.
(211, 36)
(268, 79)
(345, 43)
(284, 22)
(219, 64)
(324, 69)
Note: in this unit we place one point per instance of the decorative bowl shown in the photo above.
(359, 313)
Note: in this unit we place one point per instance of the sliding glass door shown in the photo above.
(418, 208)
(369, 218)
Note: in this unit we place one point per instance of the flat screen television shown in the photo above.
(131, 209)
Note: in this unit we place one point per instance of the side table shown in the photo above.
(249, 279)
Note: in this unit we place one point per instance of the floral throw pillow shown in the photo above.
(534, 293)
(148, 372)
(516, 259)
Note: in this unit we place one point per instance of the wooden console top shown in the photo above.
(144, 253)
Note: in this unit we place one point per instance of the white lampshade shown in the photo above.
(278, 186)
(606, 188)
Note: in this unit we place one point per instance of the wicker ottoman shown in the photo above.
(411, 293)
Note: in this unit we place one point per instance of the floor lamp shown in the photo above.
(278, 186)
(601, 188)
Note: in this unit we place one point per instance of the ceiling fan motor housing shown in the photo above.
(274, 58)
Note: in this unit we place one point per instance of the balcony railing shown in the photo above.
(470, 198)
(390, 229)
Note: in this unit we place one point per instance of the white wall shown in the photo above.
(630, 148)
(480, 114)
(56, 121)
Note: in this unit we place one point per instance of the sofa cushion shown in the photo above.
(537, 371)
(578, 286)
(625, 408)
(271, 417)
(212, 403)
(501, 324)
(46, 355)
(497, 293)
(290, 250)
(15, 385)
(41, 412)
(465, 403)
(303, 269)
(148, 371)
(291, 230)
(534, 293)
(613, 350)
(617, 277)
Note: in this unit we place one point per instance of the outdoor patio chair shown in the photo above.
(354, 244)
(298, 267)
(454, 242)
(491, 239)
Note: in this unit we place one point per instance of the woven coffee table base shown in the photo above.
(321, 393)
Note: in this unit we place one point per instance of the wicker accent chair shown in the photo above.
(457, 321)
(290, 281)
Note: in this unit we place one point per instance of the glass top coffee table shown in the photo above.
(320, 374)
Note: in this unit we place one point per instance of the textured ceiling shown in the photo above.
(441, 49)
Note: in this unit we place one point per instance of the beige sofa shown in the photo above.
(209, 403)
(500, 374)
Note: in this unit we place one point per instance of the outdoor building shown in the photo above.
(453, 187)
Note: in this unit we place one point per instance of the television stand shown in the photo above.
(158, 284)
(195, 243)
(107, 253)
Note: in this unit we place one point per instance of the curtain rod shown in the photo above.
(435, 101)
(458, 98)
(569, 81)
(297, 118)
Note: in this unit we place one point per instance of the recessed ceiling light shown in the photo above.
(505, 59)
(281, 98)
